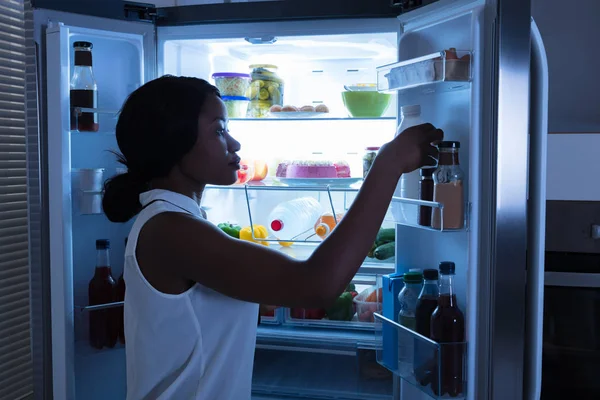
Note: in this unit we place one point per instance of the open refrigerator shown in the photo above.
(496, 108)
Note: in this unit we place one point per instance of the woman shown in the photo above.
(192, 291)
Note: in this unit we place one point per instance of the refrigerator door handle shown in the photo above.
(538, 132)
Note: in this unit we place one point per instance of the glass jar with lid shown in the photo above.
(448, 188)
(369, 158)
(266, 90)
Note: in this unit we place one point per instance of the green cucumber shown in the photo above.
(385, 251)
(385, 236)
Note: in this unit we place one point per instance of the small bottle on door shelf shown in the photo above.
(426, 305)
(104, 328)
(448, 329)
(407, 301)
(448, 189)
(425, 193)
(84, 90)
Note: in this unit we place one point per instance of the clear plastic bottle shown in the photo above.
(292, 219)
(84, 90)
(326, 223)
(407, 299)
(408, 186)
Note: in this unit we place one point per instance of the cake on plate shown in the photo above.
(311, 169)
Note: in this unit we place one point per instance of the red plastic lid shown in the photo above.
(372, 148)
(276, 225)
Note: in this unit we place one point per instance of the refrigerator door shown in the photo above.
(493, 125)
(538, 143)
(124, 58)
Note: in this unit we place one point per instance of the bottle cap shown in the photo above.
(426, 172)
(277, 225)
(447, 268)
(102, 244)
(412, 277)
(411, 110)
(449, 145)
(85, 45)
(430, 274)
(322, 230)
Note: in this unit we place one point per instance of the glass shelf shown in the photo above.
(103, 121)
(427, 360)
(313, 119)
(436, 72)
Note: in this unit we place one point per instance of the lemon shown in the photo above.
(263, 94)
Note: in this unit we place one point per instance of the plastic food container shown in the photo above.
(265, 91)
(88, 180)
(232, 83)
(368, 159)
(237, 106)
(364, 308)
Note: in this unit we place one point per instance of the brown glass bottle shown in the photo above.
(426, 305)
(84, 91)
(448, 329)
(104, 329)
(425, 193)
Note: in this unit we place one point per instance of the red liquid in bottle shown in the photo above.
(86, 121)
(424, 355)
(448, 326)
(104, 328)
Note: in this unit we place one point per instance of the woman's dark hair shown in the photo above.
(157, 126)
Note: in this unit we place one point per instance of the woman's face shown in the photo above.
(213, 159)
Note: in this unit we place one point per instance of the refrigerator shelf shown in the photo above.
(437, 72)
(99, 306)
(106, 120)
(326, 118)
(405, 212)
(428, 361)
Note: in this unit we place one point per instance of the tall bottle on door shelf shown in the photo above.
(448, 329)
(84, 90)
(448, 189)
(426, 305)
(407, 301)
(104, 329)
(408, 186)
(120, 290)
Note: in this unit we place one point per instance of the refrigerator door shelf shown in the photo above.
(405, 212)
(107, 119)
(437, 72)
(427, 360)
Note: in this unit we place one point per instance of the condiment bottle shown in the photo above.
(426, 305)
(448, 189)
(84, 90)
(407, 300)
(104, 329)
(369, 159)
(425, 193)
(448, 329)
(326, 223)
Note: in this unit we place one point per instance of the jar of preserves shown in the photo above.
(369, 159)
(266, 90)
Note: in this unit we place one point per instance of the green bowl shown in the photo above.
(366, 104)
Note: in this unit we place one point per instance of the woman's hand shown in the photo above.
(412, 149)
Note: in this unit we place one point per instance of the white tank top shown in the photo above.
(195, 345)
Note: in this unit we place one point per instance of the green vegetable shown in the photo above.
(385, 236)
(371, 255)
(385, 251)
(342, 309)
(230, 229)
